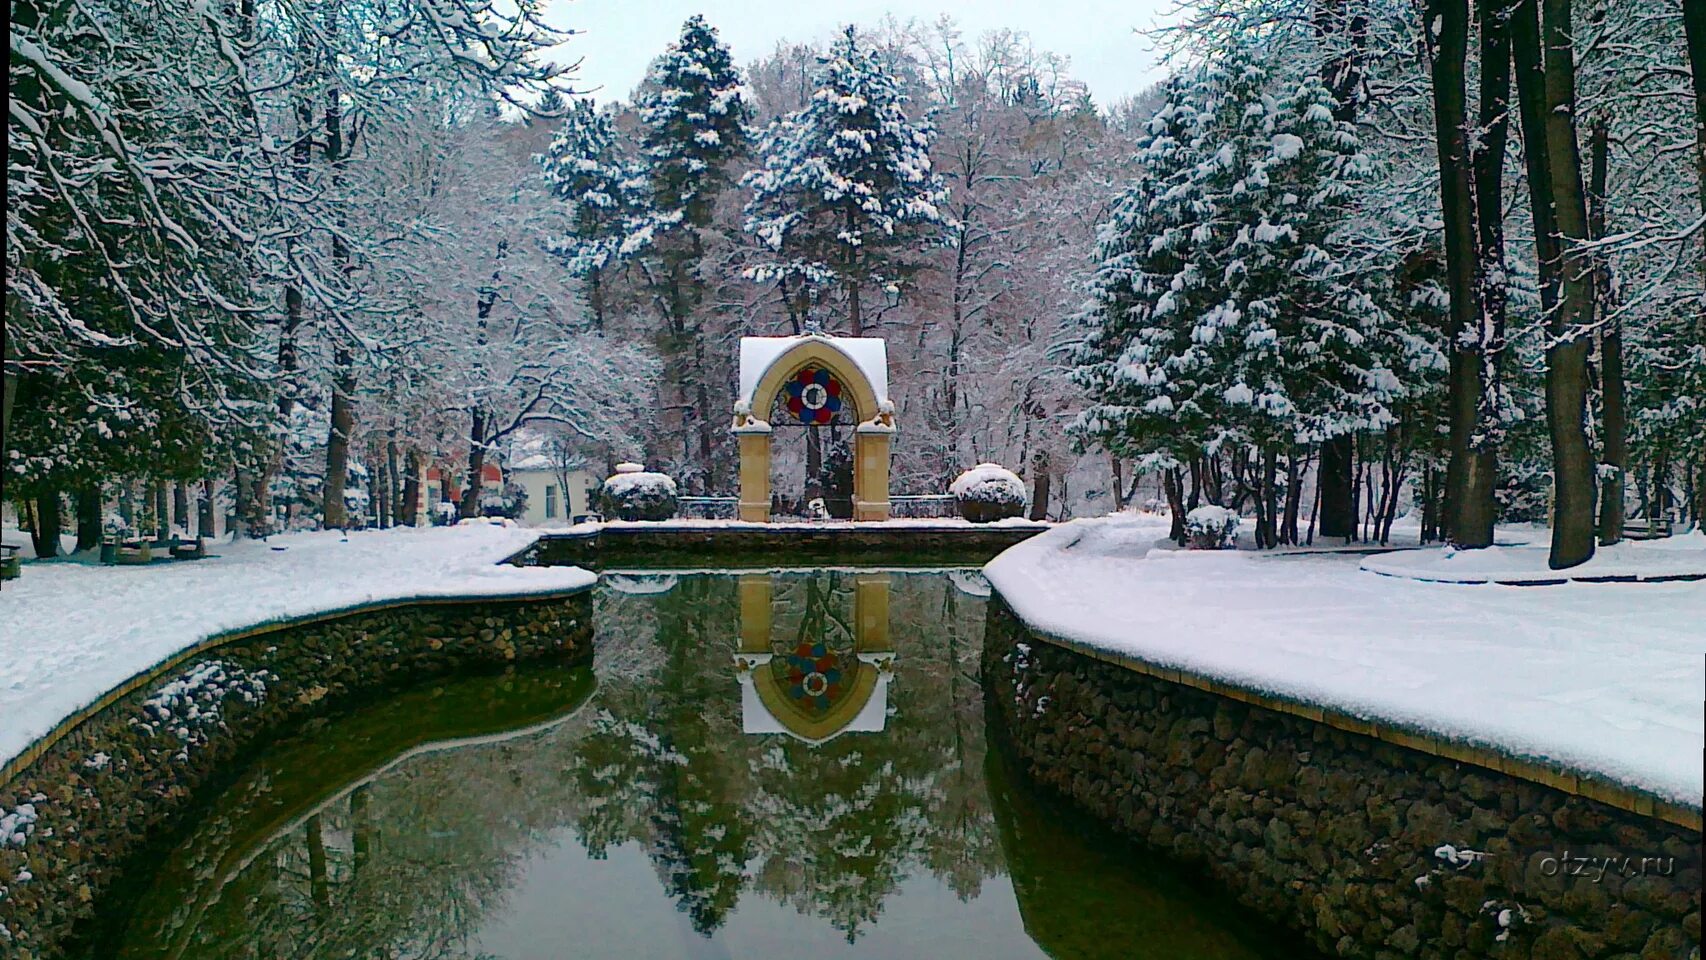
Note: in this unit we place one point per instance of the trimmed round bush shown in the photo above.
(1211, 527)
(637, 494)
(989, 492)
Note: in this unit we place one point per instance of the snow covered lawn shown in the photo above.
(1670, 558)
(69, 632)
(1606, 678)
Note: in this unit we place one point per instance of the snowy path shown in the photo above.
(69, 632)
(1603, 677)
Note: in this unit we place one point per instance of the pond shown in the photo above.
(774, 764)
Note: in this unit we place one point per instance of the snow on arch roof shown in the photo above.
(868, 354)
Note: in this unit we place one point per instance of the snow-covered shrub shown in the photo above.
(1211, 527)
(989, 492)
(635, 493)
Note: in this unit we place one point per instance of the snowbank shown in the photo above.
(69, 632)
(1606, 678)
(1630, 559)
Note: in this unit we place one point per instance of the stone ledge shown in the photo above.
(126, 771)
(742, 545)
(28, 755)
(1349, 833)
(1556, 776)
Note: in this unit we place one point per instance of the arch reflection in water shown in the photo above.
(538, 816)
(815, 682)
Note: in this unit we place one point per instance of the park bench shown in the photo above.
(135, 551)
(11, 561)
(1644, 529)
(192, 549)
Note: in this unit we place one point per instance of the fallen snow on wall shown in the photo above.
(1606, 678)
(69, 632)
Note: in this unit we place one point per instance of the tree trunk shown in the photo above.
(1471, 514)
(412, 490)
(1613, 420)
(470, 506)
(44, 533)
(1694, 27)
(1172, 481)
(393, 489)
(180, 507)
(89, 518)
(1293, 499)
(205, 525)
(1338, 512)
(162, 519)
(1570, 324)
(333, 512)
(1039, 485)
(1119, 484)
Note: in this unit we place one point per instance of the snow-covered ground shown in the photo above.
(1673, 557)
(71, 631)
(1606, 678)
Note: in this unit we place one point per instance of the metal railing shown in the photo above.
(926, 507)
(707, 508)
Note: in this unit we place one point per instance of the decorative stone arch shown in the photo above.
(767, 364)
(768, 705)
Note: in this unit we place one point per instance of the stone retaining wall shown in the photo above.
(737, 547)
(1367, 848)
(104, 789)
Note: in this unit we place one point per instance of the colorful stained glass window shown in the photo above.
(815, 676)
(814, 395)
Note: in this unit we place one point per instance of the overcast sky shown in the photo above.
(622, 36)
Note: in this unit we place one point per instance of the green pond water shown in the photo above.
(778, 765)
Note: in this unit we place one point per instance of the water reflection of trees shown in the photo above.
(293, 863)
(831, 829)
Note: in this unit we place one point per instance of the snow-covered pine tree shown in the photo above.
(1223, 311)
(846, 185)
(605, 193)
(1138, 360)
(1310, 362)
(694, 117)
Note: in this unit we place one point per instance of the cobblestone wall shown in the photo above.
(1367, 848)
(96, 797)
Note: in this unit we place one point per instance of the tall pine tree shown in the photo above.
(605, 193)
(846, 187)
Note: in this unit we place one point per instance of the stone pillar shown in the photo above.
(754, 475)
(871, 473)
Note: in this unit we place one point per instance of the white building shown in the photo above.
(553, 498)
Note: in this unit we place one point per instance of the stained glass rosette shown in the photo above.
(814, 395)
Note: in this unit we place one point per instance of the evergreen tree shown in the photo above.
(694, 119)
(605, 193)
(693, 115)
(846, 185)
(1138, 361)
(1224, 309)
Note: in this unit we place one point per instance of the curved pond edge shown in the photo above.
(1371, 841)
(84, 799)
(734, 545)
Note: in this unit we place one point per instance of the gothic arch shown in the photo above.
(860, 365)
